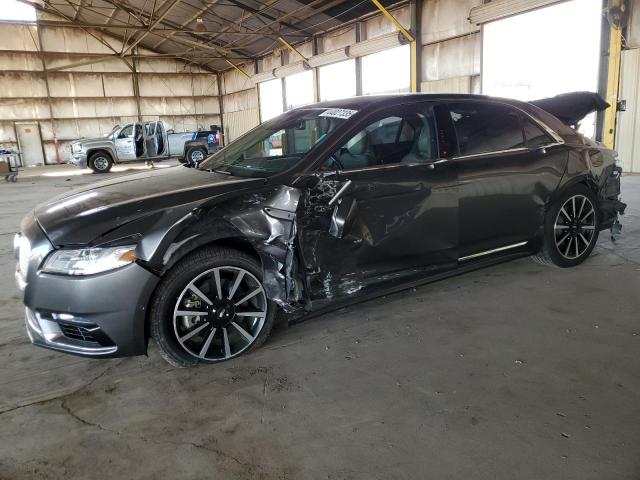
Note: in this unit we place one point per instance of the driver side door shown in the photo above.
(125, 144)
(387, 215)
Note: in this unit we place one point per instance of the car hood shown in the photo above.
(83, 215)
(92, 140)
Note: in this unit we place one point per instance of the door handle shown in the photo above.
(432, 165)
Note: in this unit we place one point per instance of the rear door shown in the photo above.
(504, 177)
(396, 218)
(161, 135)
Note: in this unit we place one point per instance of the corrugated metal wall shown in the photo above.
(240, 103)
(88, 100)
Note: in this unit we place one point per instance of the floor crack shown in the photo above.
(64, 395)
(145, 439)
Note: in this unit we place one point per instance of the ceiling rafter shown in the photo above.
(237, 30)
(189, 20)
(200, 41)
(152, 25)
(46, 7)
(292, 14)
(246, 17)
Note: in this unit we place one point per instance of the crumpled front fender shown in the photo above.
(266, 219)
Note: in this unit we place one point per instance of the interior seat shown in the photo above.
(357, 153)
(425, 146)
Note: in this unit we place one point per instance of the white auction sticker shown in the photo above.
(338, 113)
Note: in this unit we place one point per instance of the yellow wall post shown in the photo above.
(613, 81)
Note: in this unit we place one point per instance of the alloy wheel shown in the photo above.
(575, 227)
(220, 313)
(197, 156)
(101, 163)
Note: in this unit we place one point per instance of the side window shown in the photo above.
(534, 135)
(126, 132)
(393, 139)
(483, 128)
(385, 131)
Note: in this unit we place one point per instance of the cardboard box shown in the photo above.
(4, 166)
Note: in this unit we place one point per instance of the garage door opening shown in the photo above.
(14, 10)
(543, 53)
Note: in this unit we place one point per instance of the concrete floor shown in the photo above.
(515, 371)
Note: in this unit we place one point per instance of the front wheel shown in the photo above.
(571, 229)
(100, 162)
(211, 307)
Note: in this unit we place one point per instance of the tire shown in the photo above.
(100, 162)
(219, 332)
(570, 234)
(195, 155)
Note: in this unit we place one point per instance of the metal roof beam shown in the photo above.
(153, 25)
(191, 19)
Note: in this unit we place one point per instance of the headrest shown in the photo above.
(424, 145)
(359, 144)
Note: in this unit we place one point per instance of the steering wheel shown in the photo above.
(335, 162)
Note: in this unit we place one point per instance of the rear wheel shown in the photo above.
(195, 155)
(571, 229)
(100, 162)
(211, 307)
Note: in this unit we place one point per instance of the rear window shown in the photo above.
(483, 128)
(534, 135)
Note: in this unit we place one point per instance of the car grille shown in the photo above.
(75, 332)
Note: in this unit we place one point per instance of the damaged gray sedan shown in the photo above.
(322, 206)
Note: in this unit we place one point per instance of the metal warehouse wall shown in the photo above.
(88, 100)
(450, 56)
(240, 103)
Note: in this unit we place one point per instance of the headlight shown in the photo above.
(22, 252)
(76, 147)
(87, 261)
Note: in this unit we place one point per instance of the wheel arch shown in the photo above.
(194, 144)
(585, 179)
(229, 239)
(234, 241)
(104, 150)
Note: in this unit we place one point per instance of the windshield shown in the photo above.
(274, 146)
(113, 130)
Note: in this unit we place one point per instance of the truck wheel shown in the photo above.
(100, 162)
(195, 155)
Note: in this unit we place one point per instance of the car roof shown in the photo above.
(373, 102)
(376, 101)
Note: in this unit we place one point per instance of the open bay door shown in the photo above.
(628, 126)
(534, 49)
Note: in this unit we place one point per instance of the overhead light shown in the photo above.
(200, 25)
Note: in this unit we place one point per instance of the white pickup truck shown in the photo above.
(141, 141)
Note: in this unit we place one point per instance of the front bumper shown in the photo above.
(79, 159)
(99, 315)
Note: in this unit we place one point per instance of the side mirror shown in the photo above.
(541, 149)
(343, 216)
